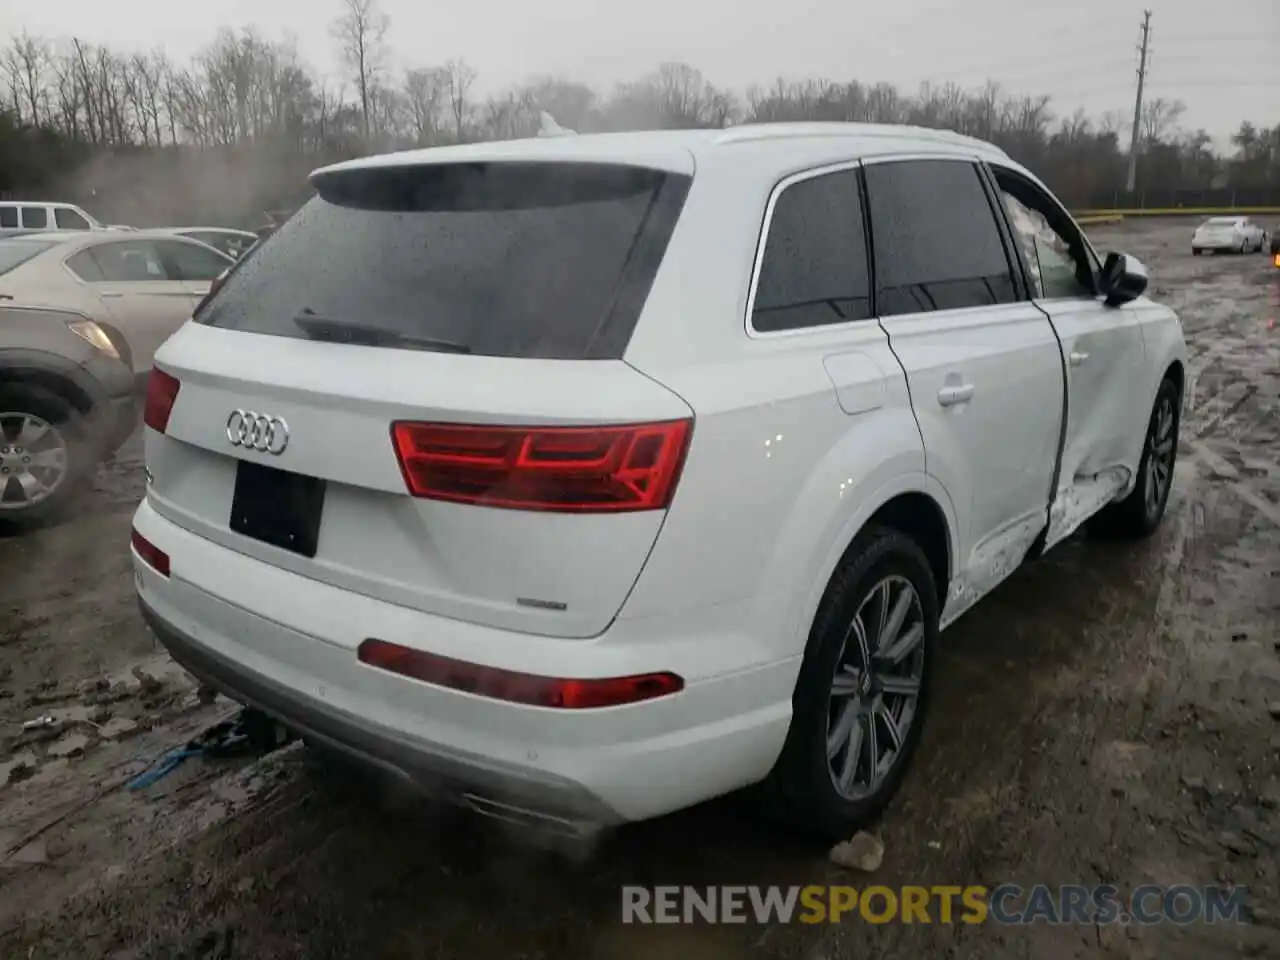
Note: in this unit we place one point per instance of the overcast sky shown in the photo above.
(1221, 57)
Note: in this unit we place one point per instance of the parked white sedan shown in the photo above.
(582, 486)
(143, 284)
(1229, 235)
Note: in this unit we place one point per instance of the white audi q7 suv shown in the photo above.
(584, 478)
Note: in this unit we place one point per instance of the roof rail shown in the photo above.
(806, 128)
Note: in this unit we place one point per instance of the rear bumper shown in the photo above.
(285, 644)
(465, 779)
(1226, 243)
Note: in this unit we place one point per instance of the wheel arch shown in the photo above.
(48, 377)
(1177, 372)
(916, 505)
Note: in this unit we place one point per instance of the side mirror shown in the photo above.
(1123, 279)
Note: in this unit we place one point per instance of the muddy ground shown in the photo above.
(1110, 715)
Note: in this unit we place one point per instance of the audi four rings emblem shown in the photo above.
(257, 431)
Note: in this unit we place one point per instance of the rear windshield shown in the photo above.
(1221, 222)
(501, 259)
(15, 254)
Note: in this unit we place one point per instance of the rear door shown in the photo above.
(132, 281)
(194, 264)
(1106, 360)
(982, 363)
(35, 217)
(415, 391)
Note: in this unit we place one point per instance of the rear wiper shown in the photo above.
(362, 334)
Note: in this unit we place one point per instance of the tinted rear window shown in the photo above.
(504, 259)
(15, 254)
(937, 244)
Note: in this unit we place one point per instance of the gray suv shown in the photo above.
(67, 400)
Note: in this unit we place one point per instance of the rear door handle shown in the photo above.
(1077, 357)
(111, 293)
(950, 396)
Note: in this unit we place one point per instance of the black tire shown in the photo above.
(80, 458)
(800, 793)
(1138, 515)
(1196, 251)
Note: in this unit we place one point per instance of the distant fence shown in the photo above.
(1146, 198)
(1118, 214)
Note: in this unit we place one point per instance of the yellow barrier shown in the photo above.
(1180, 212)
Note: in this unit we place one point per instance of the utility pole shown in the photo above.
(1137, 103)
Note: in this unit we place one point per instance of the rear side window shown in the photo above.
(814, 270)
(36, 218)
(135, 261)
(937, 246)
(232, 244)
(190, 261)
(85, 267)
(68, 219)
(14, 255)
(9, 218)
(546, 260)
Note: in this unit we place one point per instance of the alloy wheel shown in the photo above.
(875, 693)
(33, 460)
(1161, 445)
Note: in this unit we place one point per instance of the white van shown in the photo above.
(32, 215)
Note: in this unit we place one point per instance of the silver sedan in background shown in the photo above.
(1229, 235)
(143, 283)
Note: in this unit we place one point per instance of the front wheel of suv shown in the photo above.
(863, 690)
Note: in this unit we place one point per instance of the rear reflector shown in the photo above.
(569, 469)
(527, 688)
(151, 555)
(162, 391)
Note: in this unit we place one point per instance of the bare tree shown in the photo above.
(26, 64)
(245, 120)
(1160, 119)
(461, 76)
(361, 33)
(510, 116)
(675, 95)
(1113, 123)
(425, 92)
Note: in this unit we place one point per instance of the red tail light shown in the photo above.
(568, 469)
(162, 391)
(527, 688)
(151, 555)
